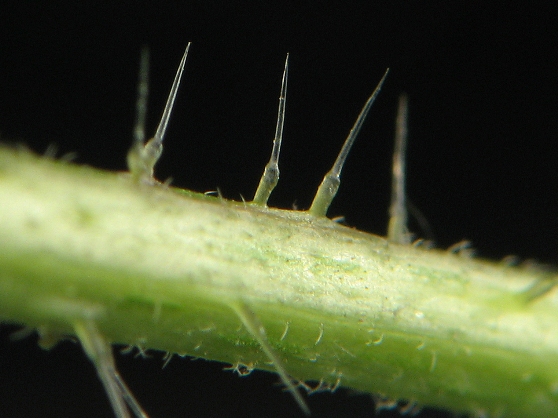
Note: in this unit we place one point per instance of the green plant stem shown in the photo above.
(163, 269)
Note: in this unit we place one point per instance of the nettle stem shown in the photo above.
(165, 269)
(121, 258)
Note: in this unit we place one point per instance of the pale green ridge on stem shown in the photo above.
(163, 269)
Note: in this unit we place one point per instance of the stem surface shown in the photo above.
(163, 269)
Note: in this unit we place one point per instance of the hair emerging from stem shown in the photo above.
(331, 182)
(143, 157)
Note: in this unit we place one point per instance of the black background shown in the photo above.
(481, 156)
